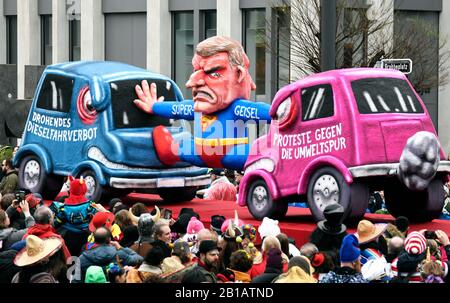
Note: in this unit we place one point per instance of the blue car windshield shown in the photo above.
(126, 114)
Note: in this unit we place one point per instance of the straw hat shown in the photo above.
(367, 231)
(36, 250)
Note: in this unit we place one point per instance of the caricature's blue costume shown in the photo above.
(220, 139)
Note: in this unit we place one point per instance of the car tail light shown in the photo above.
(85, 109)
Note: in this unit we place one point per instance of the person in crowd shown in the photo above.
(395, 246)
(104, 219)
(204, 234)
(7, 267)
(136, 211)
(104, 251)
(259, 264)
(152, 263)
(322, 263)
(10, 182)
(72, 217)
(230, 242)
(406, 265)
(193, 228)
(10, 235)
(274, 267)
(6, 201)
(162, 238)
(95, 274)
(308, 250)
(329, 232)
(34, 260)
(216, 223)
(371, 242)
(43, 228)
(238, 174)
(122, 219)
(208, 260)
(146, 224)
(176, 266)
(196, 276)
(432, 272)
(15, 214)
(115, 204)
(221, 188)
(299, 271)
(399, 228)
(350, 269)
(130, 236)
(240, 263)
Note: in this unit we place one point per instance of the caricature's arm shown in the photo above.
(148, 102)
(249, 110)
(175, 110)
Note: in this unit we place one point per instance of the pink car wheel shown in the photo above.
(328, 186)
(260, 202)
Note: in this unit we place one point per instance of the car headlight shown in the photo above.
(286, 112)
(264, 163)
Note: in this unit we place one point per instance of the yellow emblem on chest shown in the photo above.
(207, 121)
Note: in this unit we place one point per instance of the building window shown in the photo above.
(210, 24)
(282, 41)
(11, 39)
(183, 48)
(254, 38)
(46, 39)
(74, 40)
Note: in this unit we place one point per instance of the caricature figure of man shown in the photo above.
(221, 86)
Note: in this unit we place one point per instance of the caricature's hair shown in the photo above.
(218, 44)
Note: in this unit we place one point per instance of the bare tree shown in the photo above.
(364, 36)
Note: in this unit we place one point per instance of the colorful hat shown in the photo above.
(194, 226)
(350, 251)
(77, 191)
(95, 274)
(415, 243)
(101, 219)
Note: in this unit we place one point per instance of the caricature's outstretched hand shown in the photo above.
(147, 96)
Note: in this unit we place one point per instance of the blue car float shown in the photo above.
(83, 122)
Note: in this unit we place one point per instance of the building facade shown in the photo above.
(161, 35)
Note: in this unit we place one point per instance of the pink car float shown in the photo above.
(337, 136)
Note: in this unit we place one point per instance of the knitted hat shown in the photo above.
(415, 243)
(349, 249)
(269, 227)
(194, 226)
(274, 259)
(95, 274)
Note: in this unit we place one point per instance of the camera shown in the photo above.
(429, 234)
(20, 195)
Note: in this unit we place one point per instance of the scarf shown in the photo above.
(45, 231)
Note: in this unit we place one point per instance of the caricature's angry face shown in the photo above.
(216, 83)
